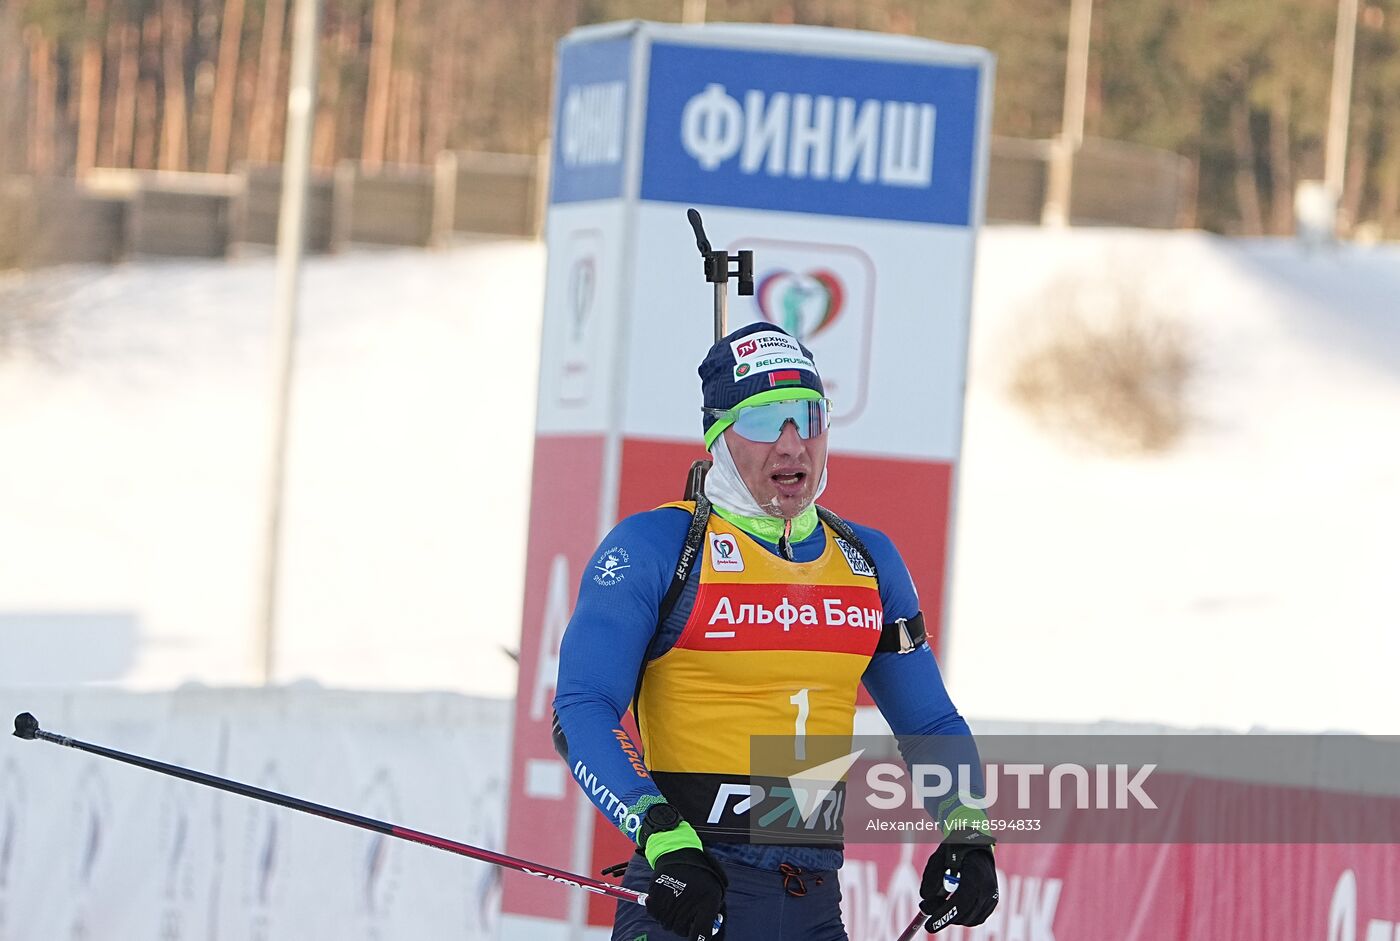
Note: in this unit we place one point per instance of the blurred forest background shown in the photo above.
(1238, 87)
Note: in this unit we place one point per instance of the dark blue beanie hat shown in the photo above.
(757, 362)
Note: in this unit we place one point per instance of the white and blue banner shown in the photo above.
(590, 120)
(94, 848)
(822, 134)
(852, 165)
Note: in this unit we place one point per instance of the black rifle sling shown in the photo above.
(690, 551)
(694, 540)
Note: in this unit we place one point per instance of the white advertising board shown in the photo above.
(94, 848)
(852, 165)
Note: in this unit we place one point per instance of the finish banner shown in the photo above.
(852, 165)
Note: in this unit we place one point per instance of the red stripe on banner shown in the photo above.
(784, 617)
(562, 539)
(1147, 892)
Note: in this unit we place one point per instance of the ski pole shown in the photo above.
(918, 923)
(27, 727)
(914, 926)
(950, 885)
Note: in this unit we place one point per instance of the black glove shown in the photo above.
(687, 893)
(969, 858)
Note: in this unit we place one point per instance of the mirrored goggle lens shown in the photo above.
(765, 422)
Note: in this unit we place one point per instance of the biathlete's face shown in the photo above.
(781, 475)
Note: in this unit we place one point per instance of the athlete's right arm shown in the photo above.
(603, 650)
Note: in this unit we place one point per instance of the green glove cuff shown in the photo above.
(659, 844)
(966, 821)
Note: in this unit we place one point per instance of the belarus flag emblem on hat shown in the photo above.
(784, 377)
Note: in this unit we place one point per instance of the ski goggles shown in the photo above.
(764, 423)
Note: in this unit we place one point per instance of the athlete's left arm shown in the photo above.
(908, 687)
(909, 690)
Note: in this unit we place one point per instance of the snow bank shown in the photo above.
(1245, 577)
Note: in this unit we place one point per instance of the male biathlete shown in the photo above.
(709, 664)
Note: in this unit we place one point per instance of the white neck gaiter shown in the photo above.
(727, 490)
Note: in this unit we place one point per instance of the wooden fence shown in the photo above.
(55, 221)
(1113, 184)
(116, 214)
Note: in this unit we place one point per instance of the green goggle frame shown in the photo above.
(762, 418)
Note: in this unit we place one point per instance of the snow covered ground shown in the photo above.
(1247, 577)
(133, 463)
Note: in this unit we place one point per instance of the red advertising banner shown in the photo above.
(542, 806)
(1148, 892)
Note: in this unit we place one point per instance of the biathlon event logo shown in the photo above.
(575, 305)
(724, 553)
(823, 295)
(583, 285)
(803, 304)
